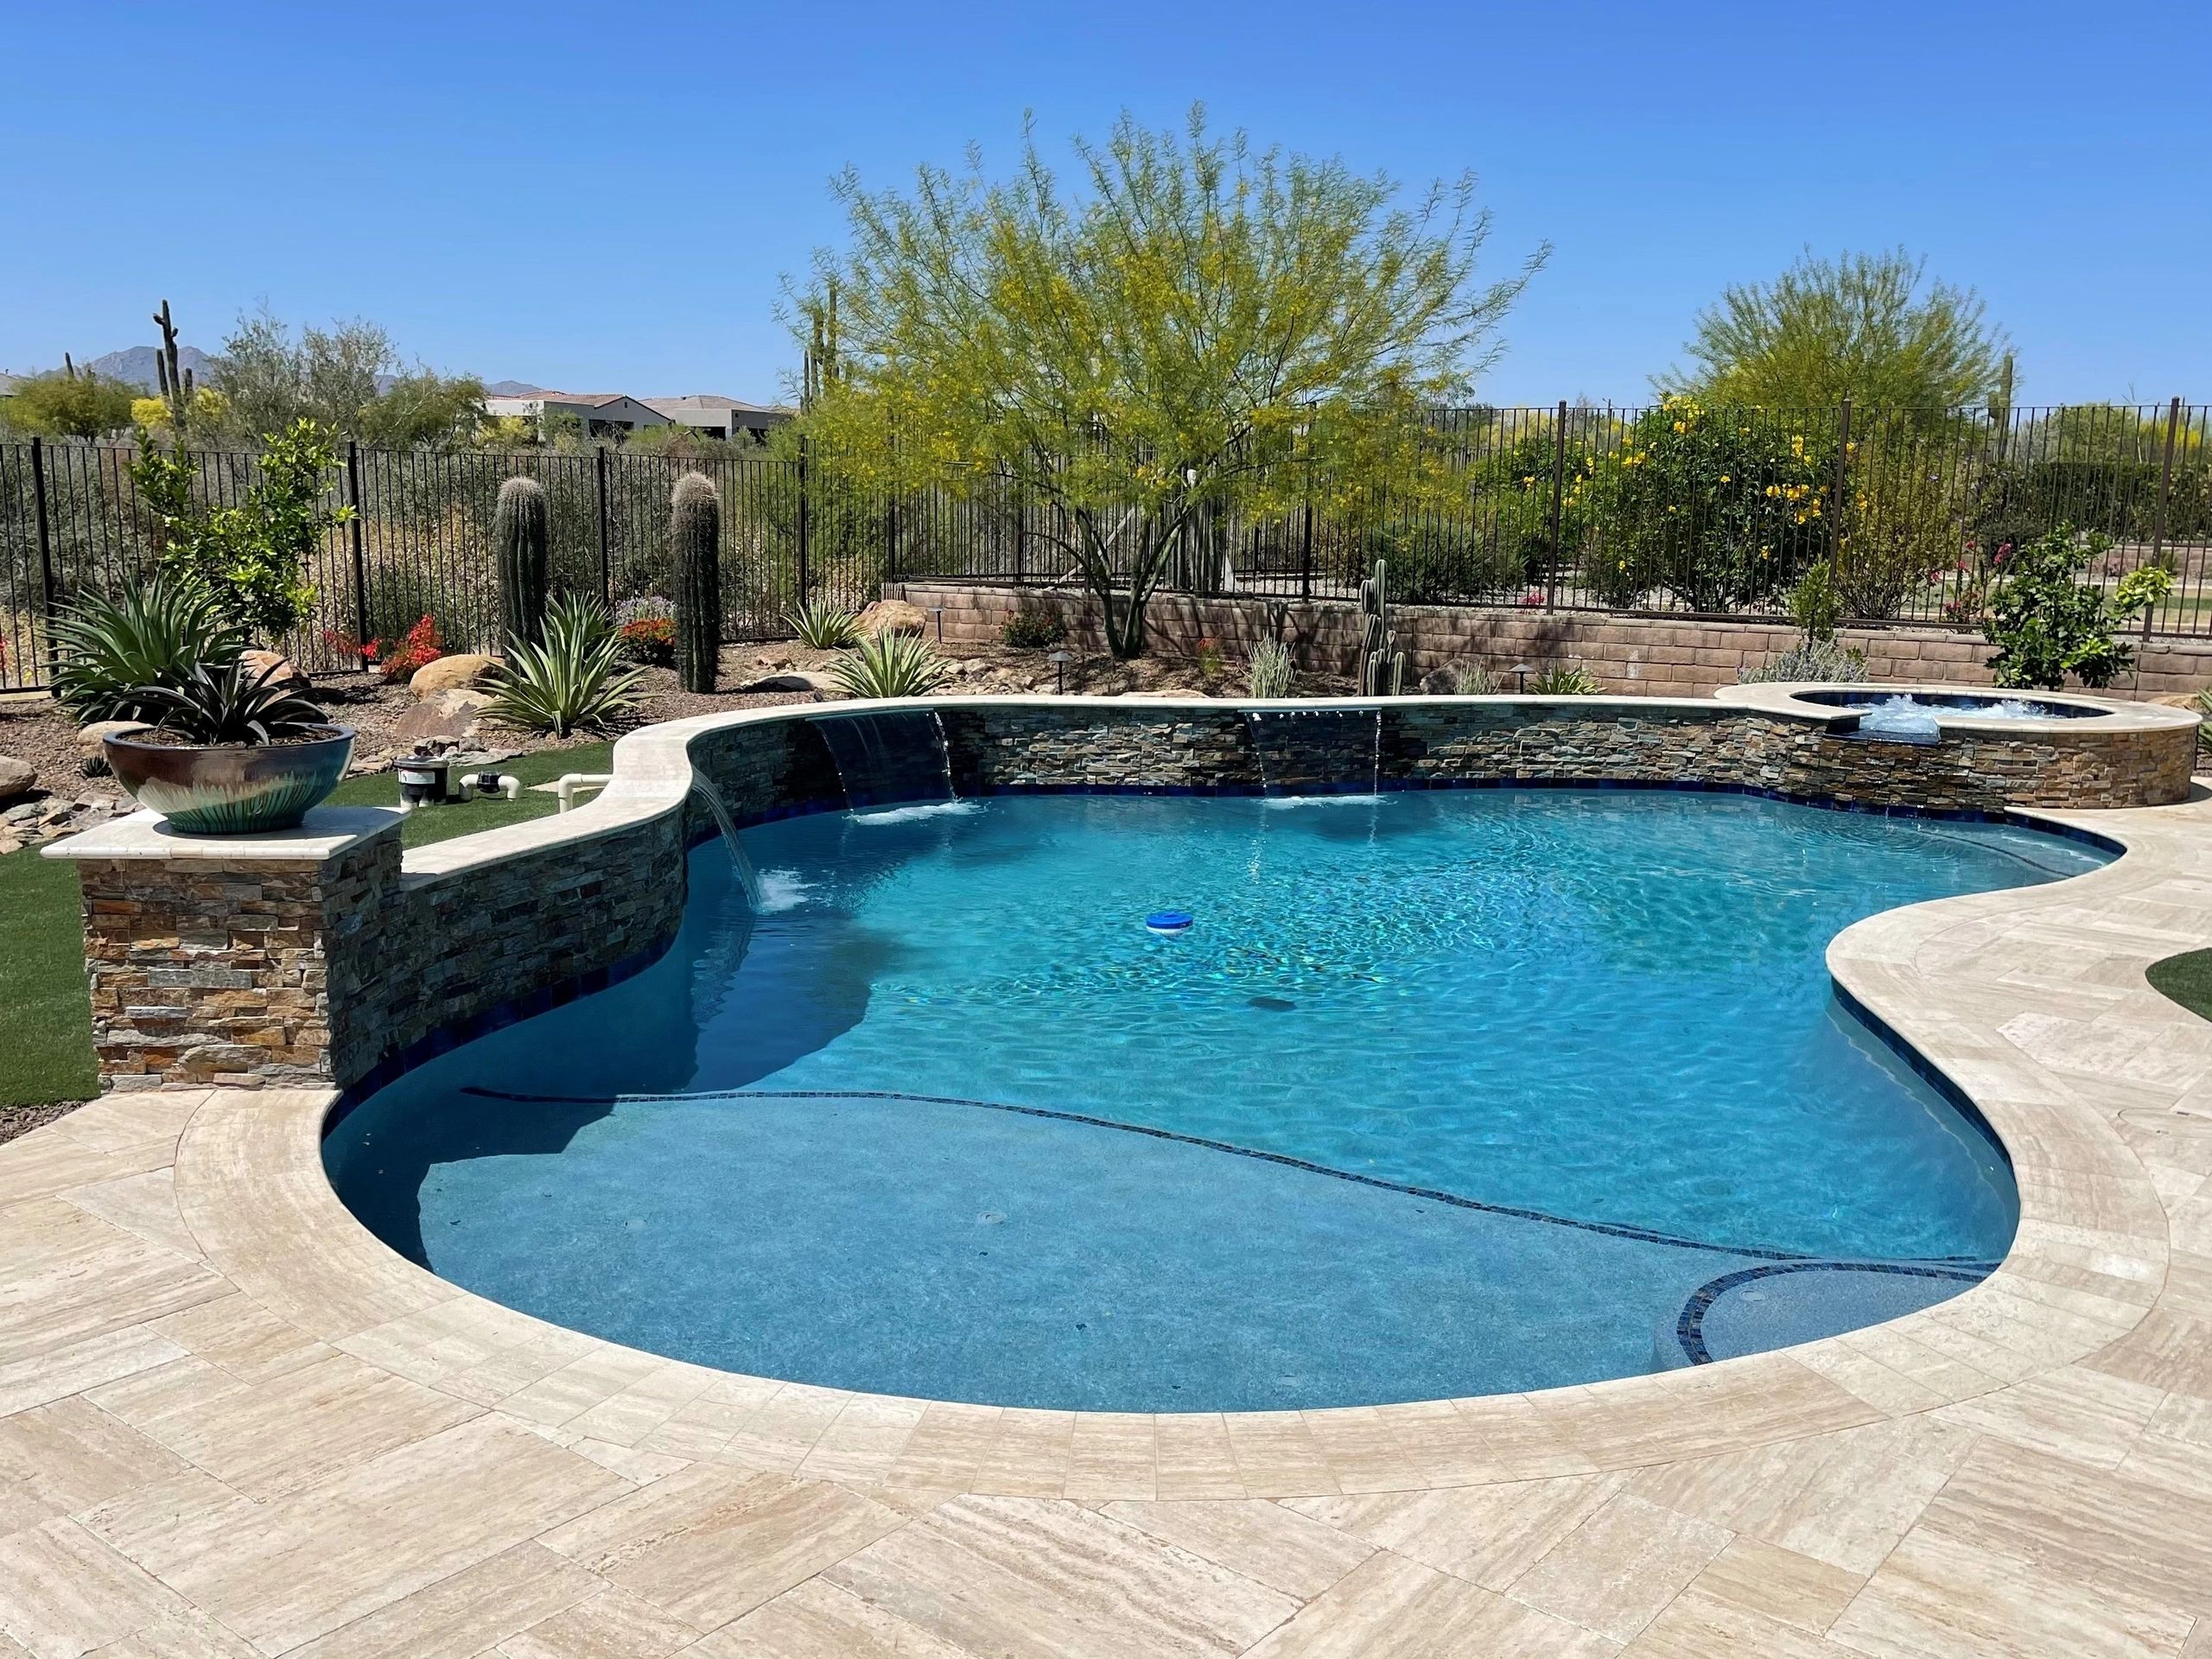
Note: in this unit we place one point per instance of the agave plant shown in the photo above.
(1565, 680)
(823, 625)
(573, 681)
(108, 653)
(890, 665)
(228, 704)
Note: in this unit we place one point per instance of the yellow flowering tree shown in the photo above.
(1715, 508)
(1198, 330)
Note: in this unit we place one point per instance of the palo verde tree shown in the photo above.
(1865, 327)
(1149, 349)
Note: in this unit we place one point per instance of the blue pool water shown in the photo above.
(1441, 1094)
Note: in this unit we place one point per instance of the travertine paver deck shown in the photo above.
(232, 1423)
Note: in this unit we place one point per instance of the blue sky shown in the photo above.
(604, 197)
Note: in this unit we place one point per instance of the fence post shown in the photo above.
(1842, 478)
(803, 524)
(1306, 537)
(45, 532)
(891, 536)
(360, 557)
(1559, 490)
(606, 558)
(2165, 492)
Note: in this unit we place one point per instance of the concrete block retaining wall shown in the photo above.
(323, 956)
(1635, 656)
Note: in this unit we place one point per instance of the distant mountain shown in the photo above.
(511, 388)
(135, 365)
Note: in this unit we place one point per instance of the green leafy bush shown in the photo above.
(109, 654)
(824, 625)
(1033, 627)
(1718, 507)
(890, 665)
(2047, 623)
(251, 556)
(571, 681)
(230, 703)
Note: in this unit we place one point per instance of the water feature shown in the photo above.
(891, 757)
(1916, 716)
(1307, 751)
(748, 878)
(1469, 1095)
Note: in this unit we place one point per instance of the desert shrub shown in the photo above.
(1718, 507)
(1904, 521)
(1270, 672)
(1034, 628)
(1472, 679)
(1810, 660)
(108, 653)
(401, 593)
(1433, 564)
(397, 660)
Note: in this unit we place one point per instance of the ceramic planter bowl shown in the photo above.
(232, 791)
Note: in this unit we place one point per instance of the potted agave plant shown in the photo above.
(230, 751)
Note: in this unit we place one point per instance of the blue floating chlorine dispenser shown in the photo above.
(1169, 921)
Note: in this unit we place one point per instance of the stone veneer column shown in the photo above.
(211, 958)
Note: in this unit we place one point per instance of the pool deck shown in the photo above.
(232, 1422)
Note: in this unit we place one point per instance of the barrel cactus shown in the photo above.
(696, 528)
(520, 533)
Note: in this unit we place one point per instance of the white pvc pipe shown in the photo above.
(565, 792)
(510, 785)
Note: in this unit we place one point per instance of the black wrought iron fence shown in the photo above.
(1671, 508)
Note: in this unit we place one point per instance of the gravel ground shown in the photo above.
(32, 729)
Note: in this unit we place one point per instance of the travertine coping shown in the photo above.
(326, 832)
(2114, 715)
(2086, 1266)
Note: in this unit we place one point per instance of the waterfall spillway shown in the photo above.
(747, 877)
(1317, 751)
(890, 757)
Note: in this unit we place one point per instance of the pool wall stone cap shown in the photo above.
(325, 955)
(2114, 713)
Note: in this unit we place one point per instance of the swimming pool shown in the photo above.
(1442, 1093)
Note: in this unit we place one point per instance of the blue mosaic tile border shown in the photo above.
(1689, 1325)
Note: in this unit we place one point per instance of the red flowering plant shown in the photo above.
(650, 640)
(394, 661)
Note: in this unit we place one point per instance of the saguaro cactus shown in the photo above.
(1382, 665)
(518, 535)
(695, 529)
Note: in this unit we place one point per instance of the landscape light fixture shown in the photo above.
(1521, 671)
(1059, 661)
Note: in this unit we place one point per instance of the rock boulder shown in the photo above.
(288, 673)
(18, 778)
(450, 715)
(892, 616)
(460, 669)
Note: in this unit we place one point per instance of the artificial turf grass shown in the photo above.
(2187, 979)
(46, 1012)
(466, 818)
